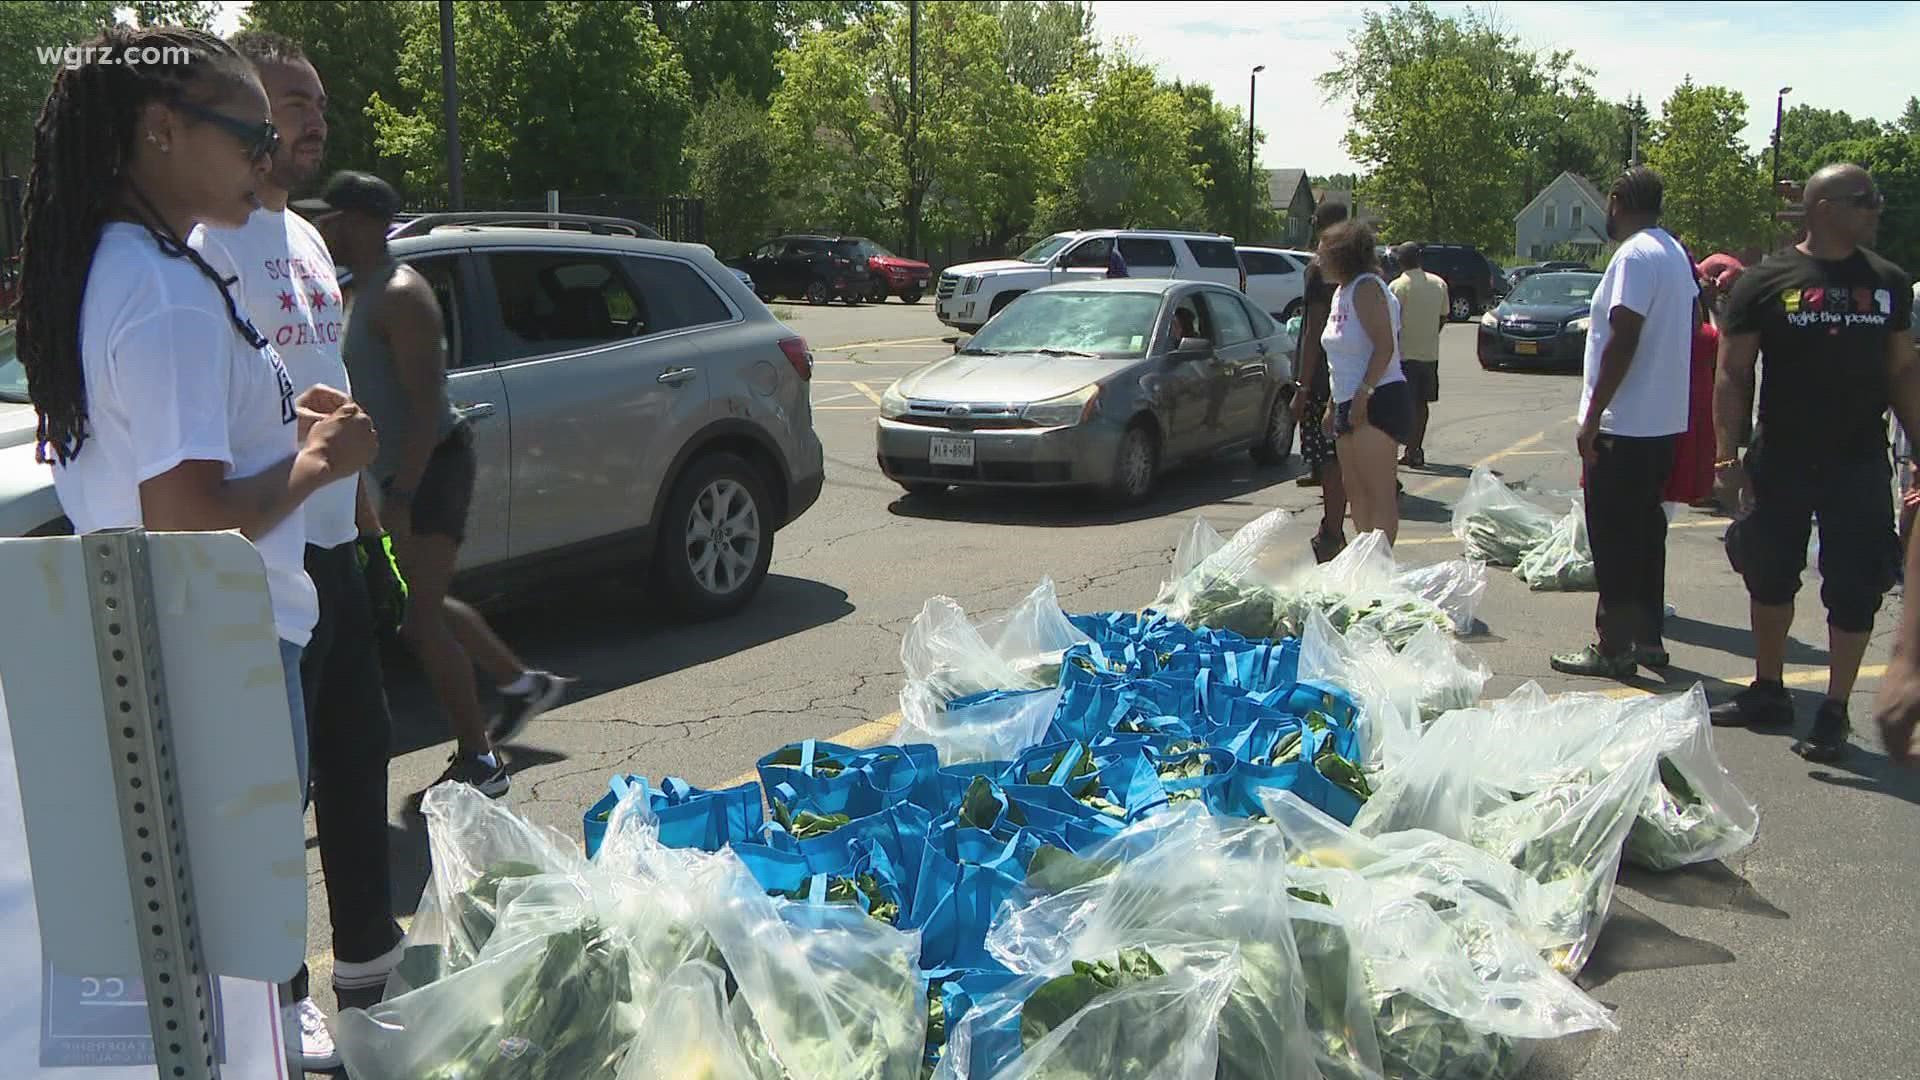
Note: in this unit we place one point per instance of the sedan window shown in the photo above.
(1228, 318)
(1114, 324)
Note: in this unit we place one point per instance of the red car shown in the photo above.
(893, 275)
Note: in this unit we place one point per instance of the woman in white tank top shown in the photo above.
(1373, 406)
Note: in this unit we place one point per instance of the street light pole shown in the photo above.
(1252, 81)
(450, 102)
(1779, 113)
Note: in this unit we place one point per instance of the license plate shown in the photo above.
(1527, 348)
(949, 451)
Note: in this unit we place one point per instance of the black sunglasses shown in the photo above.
(260, 140)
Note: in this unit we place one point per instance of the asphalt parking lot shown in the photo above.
(1797, 959)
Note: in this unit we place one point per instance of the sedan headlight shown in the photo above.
(893, 403)
(1064, 411)
(1579, 325)
(970, 286)
(1490, 320)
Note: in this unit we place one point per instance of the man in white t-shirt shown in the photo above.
(287, 287)
(1632, 408)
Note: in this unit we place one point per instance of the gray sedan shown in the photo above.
(1102, 384)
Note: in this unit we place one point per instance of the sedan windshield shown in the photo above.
(13, 375)
(1114, 324)
(1565, 289)
(1045, 249)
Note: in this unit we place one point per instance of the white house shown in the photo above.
(1568, 211)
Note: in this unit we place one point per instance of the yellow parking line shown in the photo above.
(872, 394)
(871, 733)
(1809, 677)
(1435, 485)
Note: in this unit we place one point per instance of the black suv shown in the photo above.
(1473, 282)
(813, 267)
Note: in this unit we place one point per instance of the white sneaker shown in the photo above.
(1671, 611)
(309, 1041)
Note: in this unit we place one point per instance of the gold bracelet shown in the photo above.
(1727, 464)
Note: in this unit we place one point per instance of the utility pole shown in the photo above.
(913, 123)
(1246, 236)
(1779, 114)
(450, 105)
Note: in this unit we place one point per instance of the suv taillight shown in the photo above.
(798, 356)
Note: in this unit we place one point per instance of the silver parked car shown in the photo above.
(1102, 384)
(631, 400)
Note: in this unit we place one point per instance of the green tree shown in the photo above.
(1335, 182)
(1716, 189)
(1893, 157)
(580, 97)
(1113, 155)
(1909, 121)
(1445, 113)
(724, 42)
(1217, 151)
(26, 27)
(730, 150)
(356, 46)
(1636, 127)
(1042, 41)
(1806, 132)
(198, 14)
(831, 151)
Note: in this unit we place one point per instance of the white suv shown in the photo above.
(972, 293)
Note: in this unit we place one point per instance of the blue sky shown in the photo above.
(1852, 56)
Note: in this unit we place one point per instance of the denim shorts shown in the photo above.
(296, 711)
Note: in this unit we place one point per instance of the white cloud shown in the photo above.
(1855, 57)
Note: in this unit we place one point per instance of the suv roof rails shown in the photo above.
(595, 223)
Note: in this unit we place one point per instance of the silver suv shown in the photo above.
(971, 293)
(631, 401)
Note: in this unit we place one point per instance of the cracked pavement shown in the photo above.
(1794, 961)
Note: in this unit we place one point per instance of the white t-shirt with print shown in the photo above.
(169, 379)
(1649, 275)
(288, 289)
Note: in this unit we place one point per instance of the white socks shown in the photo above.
(521, 686)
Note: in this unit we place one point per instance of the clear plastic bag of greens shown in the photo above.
(1140, 1013)
(1358, 587)
(1231, 588)
(476, 845)
(1694, 811)
(1366, 666)
(993, 726)
(947, 656)
(554, 994)
(1459, 986)
(834, 994)
(1447, 675)
(1564, 562)
(1494, 524)
(1550, 785)
(687, 1034)
(1196, 546)
(1455, 587)
(1186, 879)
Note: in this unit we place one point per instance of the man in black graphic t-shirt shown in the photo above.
(1832, 320)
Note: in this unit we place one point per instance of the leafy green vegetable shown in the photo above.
(806, 824)
(560, 1019)
(1418, 1040)
(1503, 535)
(1058, 1000)
(1343, 774)
(825, 766)
(1053, 870)
(1675, 824)
(880, 899)
(1190, 766)
(477, 910)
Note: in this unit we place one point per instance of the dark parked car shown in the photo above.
(1473, 282)
(894, 275)
(813, 268)
(1542, 322)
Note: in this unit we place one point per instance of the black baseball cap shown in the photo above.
(357, 191)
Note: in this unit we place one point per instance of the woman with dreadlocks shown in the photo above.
(159, 404)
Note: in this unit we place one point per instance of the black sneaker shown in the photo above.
(1591, 661)
(1764, 704)
(491, 780)
(1654, 657)
(1826, 742)
(520, 709)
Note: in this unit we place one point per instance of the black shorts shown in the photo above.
(445, 494)
(1859, 549)
(1389, 408)
(1424, 377)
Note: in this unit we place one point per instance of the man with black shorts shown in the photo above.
(395, 351)
(1310, 406)
(1832, 319)
(1423, 313)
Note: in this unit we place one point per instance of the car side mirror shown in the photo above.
(1192, 348)
(961, 342)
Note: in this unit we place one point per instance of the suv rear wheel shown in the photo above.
(818, 293)
(715, 538)
(1461, 307)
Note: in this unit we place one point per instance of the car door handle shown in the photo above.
(1261, 349)
(477, 410)
(676, 376)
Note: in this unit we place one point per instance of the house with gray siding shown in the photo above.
(1569, 211)
(1289, 193)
